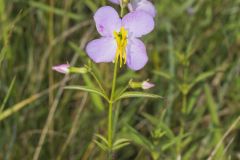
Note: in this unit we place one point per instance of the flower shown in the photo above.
(119, 39)
(62, 68)
(139, 5)
(147, 85)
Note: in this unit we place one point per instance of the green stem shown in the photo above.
(98, 82)
(184, 103)
(122, 11)
(122, 8)
(110, 119)
(123, 90)
(110, 131)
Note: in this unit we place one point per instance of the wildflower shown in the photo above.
(62, 68)
(139, 5)
(65, 68)
(119, 41)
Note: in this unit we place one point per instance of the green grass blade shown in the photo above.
(213, 109)
(87, 89)
(8, 94)
(56, 11)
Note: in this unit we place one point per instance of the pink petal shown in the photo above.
(136, 54)
(142, 5)
(107, 21)
(62, 68)
(115, 1)
(138, 23)
(102, 50)
(147, 85)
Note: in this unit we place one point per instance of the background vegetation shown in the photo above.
(194, 62)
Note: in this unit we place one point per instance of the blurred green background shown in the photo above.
(194, 61)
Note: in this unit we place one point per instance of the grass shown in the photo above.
(194, 62)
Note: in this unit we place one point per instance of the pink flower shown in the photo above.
(120, 37)
(62, 68)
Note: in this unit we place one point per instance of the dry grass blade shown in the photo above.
(231, 128)
(24, 103)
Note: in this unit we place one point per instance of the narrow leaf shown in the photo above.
(8, 94)
(119, 141)
(137, 95)
(102, 138)
(173, 141)
(159, 124)
(163, 74)
(136, 137)
(202, 77)
(120, 146)
(87, 89)
(100, 145)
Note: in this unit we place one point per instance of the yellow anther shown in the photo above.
(121, 39)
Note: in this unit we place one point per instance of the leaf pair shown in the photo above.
(104, 145)
(132, 94)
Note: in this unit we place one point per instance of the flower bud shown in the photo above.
(143, 85)
(147, 85)
(62, 68)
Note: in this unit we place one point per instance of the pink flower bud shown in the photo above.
(147, 85)
(62, 68)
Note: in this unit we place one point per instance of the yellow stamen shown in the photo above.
(121, 39)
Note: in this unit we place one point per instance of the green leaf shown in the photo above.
(137, 95)
(212, 105)
(120, 146)
(121, 140)
(184, 88)
(159, 124)
(100, 145)
(102, 138)
(163, 74)
(173, 141)
(139, 139)
(87, 89)
(8, 94)
(202, 77)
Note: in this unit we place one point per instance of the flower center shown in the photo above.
(121, 39)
